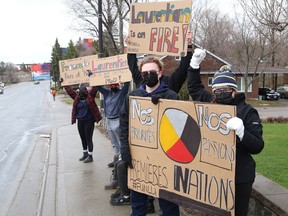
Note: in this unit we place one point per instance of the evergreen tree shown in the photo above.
(56, 56)
(2, 70)
(71, 51)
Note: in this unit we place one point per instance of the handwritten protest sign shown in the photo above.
(73, 71)
(105, 71)
(182, 151)
(159, 27)
(110, 70)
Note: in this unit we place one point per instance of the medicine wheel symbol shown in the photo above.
(179, 135)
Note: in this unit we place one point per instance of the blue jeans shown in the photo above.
(138, 204)
(113, 131)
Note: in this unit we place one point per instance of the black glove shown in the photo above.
(61, 80)
(155, 98)
(88, 73)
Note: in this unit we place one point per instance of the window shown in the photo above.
(241, 84)
(210, 81)
(177, 58)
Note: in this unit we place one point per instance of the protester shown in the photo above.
(86, 111)
(53, 93)
(247, 124)
(113, 100)
(178, 77)
(151, 70)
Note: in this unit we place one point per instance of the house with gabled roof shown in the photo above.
(209, 66)
(212, 63)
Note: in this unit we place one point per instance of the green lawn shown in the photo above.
(272, 162)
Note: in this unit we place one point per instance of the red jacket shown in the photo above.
(90, 102)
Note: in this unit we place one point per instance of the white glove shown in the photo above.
(236, 124)
(197, 58)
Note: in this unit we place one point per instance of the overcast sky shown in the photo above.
(29, 29)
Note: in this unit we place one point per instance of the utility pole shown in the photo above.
(100, 54)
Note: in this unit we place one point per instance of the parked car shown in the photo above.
(268, 94)
(36, 82)
(283, 91)
(1, 90)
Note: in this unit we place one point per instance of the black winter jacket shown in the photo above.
(174, 82)
(165, 93)
(252, 142)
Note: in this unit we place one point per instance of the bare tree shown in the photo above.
(270, 19)
(250, 51)
(114, 15)
(211, 28)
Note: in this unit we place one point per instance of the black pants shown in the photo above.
(121, 170)
(86, 129)
(242, 197)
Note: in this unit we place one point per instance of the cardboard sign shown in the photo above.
(110, 70)
(105, 71)
(159, 27)
(73, 71)
(182, 151)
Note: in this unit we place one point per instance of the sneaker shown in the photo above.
(116, 194)
(85, 155)
(120, 201)
(112, 185)
(89, 159)
(110, 165)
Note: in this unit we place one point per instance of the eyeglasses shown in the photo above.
(220, 91)
(151, 72)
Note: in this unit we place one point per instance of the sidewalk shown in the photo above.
(76, 188)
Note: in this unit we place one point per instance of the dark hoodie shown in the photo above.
(162, 90)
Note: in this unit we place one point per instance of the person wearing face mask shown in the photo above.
(113, 100)
(247, 125)
(151, 71)
(86, 111)
(177, 78)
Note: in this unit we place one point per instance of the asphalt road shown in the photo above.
(28, 114)
(265, 111)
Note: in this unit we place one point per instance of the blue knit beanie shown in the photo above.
(224, 78)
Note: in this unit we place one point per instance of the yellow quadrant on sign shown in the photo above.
(168, 135)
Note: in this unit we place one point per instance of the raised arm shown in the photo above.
(93, 91)
(178, 77)
(133, 66)
(102, 90)
(195, 86)
(70, 92)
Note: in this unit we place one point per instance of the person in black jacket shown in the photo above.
(178, 77)
(151, 71)
(247, 124)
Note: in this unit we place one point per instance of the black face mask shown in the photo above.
(225, 98)
(151, 80)
(114, 89)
